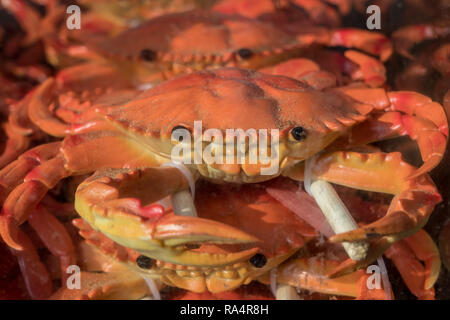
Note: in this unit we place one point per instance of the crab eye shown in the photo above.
(298, 133)
(148, 55)
(179, 132)
(245, 53)
(258, 260)
(144, 262)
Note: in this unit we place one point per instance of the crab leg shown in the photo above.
(304, 70)
(311, 274)
(406, 255)
(371, 42)
(55, 237)
(24, 198)
(407, 113)
(405, 38)
(39, 113)
(37, 279)
(370, 70)
(15, 145)
(126, 197)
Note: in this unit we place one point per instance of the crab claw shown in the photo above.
(371, 70)
(371, 42)
(111, 199)
(407, 254)
(406, 113)
(24, 183)
(424, 121)
(37, 279)
(414, 199)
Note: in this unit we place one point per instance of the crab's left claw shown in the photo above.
(405, 113)
(110, 200)
(410, 208)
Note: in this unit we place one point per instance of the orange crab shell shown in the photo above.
(253, 100)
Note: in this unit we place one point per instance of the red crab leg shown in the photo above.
(37, 279)
(410, 208)
(406, 255)
(311, 274)
(55, 237)
(318, 11)
(407, 113)
(28, 18)
(405, 38)
(18, 130)
(39, 112)
(30, 189)
(371, 70)
(15, 145)
(127, 196)
(371, 42)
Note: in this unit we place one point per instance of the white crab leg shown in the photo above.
(182, 201)
(338, 217)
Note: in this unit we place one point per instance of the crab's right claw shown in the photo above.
(108, 201)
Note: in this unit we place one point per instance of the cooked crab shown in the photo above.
(326, 126)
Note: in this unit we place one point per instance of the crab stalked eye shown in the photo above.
(298, 133)
(148, 55)
(144, 262)
(245, 53)
(179, 132)
(258, 260)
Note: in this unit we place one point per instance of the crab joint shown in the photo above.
(338, 217)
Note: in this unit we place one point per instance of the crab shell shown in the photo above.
(245, 100)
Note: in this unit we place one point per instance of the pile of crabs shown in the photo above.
(93, 206)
